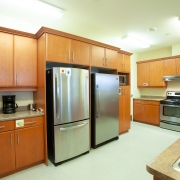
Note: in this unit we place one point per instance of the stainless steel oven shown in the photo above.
(170, 111)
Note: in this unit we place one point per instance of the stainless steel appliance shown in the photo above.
(170, 111)
(104, 108)
(122, 80)
(171, 78)
(9, 105)
(67, 99)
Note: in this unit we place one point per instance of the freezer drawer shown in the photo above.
(71, 140)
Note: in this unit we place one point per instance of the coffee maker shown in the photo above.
(9, 105)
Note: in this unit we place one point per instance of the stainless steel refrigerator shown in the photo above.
(104, 108)
(67, 100)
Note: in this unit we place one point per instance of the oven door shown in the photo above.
(170, 117)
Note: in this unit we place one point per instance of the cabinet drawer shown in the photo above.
(6, 126)
(28, 122)
(137, 101)
(151, 102)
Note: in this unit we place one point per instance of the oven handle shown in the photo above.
(172, 123)
(169, 105)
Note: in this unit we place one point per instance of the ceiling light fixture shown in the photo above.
(135, 42)
(33, 7)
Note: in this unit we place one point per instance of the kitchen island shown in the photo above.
(161, 167)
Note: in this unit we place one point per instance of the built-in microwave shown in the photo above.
(122, 80)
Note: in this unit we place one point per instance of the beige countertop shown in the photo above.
(161, 166)
(150, 98)
(20, 114)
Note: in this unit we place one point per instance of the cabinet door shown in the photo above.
(7, 152)
(57, 48)
(138, 112)
(178, 66)
(80, 52)
(111, 60)
(97, 56)
(143, 74)
(169, 67)
(126, 63)
(120, 62)
(152, 114)
(6, 60)
(25, 59)
(29, 146)
(156, 73)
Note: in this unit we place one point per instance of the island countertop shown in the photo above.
(161, 166)
(20, 114)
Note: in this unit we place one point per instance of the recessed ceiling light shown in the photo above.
(152, 29)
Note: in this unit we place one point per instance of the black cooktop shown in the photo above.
(173, 98)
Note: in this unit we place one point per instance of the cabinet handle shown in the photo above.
(11, 140)
(106, 62)
(103, 62)
(68, 56)
(72, 56)
(29, 122)
(18, 139)
(122, 66)
(2, 127)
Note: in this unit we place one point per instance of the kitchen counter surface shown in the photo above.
(161, 166)
(150, 98)
(20, 114)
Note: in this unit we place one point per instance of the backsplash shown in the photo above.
(171, 86)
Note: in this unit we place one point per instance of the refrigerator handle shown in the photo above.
(57, 95)
(97, 102)
(73, 127)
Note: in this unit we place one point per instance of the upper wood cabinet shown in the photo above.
(25, 61)
(6, 60)
(143, 74)
(18, 61)
(123, 63)
(65, 50)
(103, 57)
(171, 67)
(150, 74)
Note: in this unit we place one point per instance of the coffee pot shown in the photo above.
(9, 105)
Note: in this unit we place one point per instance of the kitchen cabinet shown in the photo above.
(6, 60)
(25, 61)
(18, 59)
(65, 50)
(103, 57)
(21, 146)
(146, 111)
(124, 109)
(7, 150)
(123, 63)
(149, 74)
(171, 67)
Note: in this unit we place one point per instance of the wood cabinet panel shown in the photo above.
(57, 48)
(120, 62)
(169, 68)
(25, 59)
(6, 60)
(80, 52)
(111, 59)
(178, 66)
(143, 74)
(29, 146)
(124, 109)
(7, 152)
(6, 126)
(138, 112)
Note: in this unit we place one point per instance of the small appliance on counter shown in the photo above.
(9, 105)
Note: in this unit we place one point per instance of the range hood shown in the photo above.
(171, 78)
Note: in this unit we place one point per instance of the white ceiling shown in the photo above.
(106, 21)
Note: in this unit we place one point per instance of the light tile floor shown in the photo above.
(123, 159)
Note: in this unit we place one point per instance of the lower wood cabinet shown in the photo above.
(146, 111)
(124, 109)
(21, 147)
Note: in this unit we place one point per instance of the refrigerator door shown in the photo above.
(70, 94)
(71, 140)
(106, 116)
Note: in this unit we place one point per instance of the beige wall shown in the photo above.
(22, 98)
(176, 50)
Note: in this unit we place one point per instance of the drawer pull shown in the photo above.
(26, 123)
(18, 139)
(1, 127)
(11, 140)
